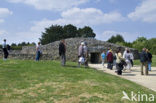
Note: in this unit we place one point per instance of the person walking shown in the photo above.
(110, 60)
(144, 60)
(81, 54)
(131, 58)
(119, 62)
(128, 60)
(149, 59)
(85, 47)
(103, 56)
(5, 51)
(62, 52)
(38, 51)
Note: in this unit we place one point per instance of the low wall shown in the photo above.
(50, 51)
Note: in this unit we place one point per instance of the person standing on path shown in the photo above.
(86, 54)
(110, 60)
(149, 59)
(62, 52)
(5, 51)
(144, 60)
(131, 58)
(119, 62)
(81, 54)
(38, 51)
(128, 60)
(103, 56)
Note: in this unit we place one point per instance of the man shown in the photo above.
(4, 46)
(80, 53)
(149, 59)
(144, 60)
(86, 54)
(62, 52)
(38, 51)
(110, 60)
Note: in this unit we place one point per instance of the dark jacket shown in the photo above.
(62, 49)
(110, 57)
(149, 57)
(143, 56)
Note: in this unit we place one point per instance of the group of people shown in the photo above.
(116, 59)
(82, 53)
(125, 61)
(146, 60)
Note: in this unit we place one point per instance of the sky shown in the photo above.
(25, 20)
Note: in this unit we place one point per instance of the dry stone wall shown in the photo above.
(50, 51)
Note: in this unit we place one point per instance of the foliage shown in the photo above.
(57, 32)
(27, 81)
(139, 43)
(118, 38)
(15, 46)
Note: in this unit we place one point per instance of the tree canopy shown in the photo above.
(57, 32)
(139, 43)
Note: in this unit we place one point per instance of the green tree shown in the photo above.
(86, 32)
(116, 39)
(56, 32)
(69, 31)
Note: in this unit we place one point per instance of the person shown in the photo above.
(149, 59)
(103, 56)
(5, 51)
(128, 60)
(110, 60)
(38, 51)
(107, 55)
(80, 53)
(125, 52)
(85, 54)
(144, 60)
(62, 52)
(119, 62)
(131, 58)
(114, 60)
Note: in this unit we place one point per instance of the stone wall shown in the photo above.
(50, 51)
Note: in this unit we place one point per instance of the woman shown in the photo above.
(119, 62)
(38, 51)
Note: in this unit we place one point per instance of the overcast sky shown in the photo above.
(24, 20)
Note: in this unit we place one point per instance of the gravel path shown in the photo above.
(135, 75)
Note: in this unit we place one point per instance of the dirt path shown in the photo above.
(135, 75)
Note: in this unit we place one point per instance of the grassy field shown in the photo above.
(137, 62)
(23, 81)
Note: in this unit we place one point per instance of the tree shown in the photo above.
(118, 38)
(69, 31)
(86, 32)
(56, 32)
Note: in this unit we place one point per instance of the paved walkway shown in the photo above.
(135, 75)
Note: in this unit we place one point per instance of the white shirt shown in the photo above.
(4, 45)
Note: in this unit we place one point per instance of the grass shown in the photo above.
(24, 81)
(137, 62)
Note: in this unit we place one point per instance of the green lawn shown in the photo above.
(23, 81)
(137, 62)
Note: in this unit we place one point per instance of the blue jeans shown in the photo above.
(38, 56)
(149, 66)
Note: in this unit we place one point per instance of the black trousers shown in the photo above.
(119, 68)
(5, 53)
